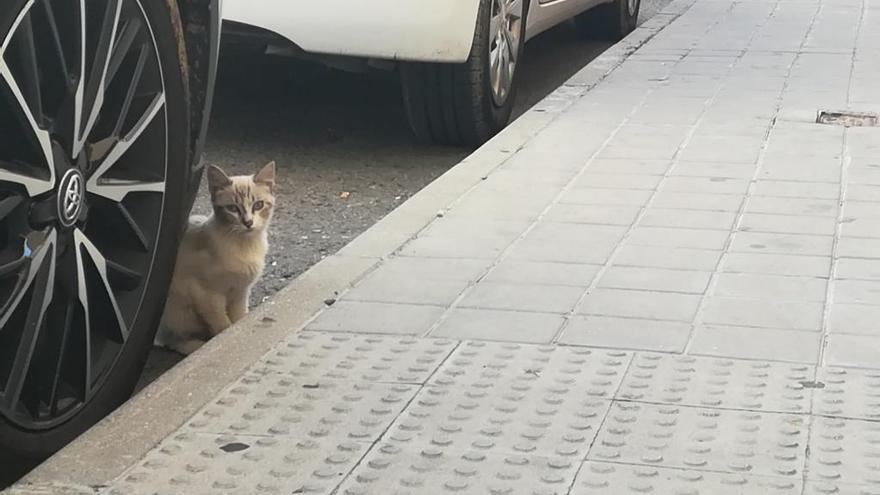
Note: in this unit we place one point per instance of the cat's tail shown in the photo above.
(163, 337)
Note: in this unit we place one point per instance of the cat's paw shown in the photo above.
(187, 347)
(197, 220)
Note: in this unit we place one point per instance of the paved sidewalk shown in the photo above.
(673, 288)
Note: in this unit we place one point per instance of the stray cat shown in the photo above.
(219, 260)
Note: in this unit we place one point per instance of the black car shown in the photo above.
(103, 114)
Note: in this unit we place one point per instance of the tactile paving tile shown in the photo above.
(272, 404)
(593, 373)
(718, 382)
(848, 393)
(500, 420)
(309, 355)
(204, 464)
(390, 469)
(823, 488)
(844, 451)
(602, 478)
(513, 399)
(744, 442)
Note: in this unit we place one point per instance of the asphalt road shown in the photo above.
(345, 153)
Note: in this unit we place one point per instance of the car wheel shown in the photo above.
(469, 103)
(94, 143)
(610, 21)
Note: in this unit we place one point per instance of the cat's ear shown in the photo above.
(266, 175)
(217, 179)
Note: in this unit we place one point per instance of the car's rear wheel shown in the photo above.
(469, 103)
(94, 137)
(610, 21)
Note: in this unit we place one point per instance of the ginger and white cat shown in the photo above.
(219, 260)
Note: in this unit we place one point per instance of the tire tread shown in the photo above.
(450, 104)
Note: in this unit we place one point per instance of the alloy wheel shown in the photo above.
(505, 31)
(83, 144)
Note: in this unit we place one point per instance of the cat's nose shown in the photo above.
(248, 222)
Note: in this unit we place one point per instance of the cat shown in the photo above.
(219, 260)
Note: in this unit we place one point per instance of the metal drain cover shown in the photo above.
(848, 119)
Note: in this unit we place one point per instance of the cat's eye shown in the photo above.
(232, 208)
(258, 205)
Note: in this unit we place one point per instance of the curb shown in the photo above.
(105, 451)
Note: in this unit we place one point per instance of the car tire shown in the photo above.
(155, 216)
(455, 104)
(610, 21)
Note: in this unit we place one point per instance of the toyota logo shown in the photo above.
(70, 195)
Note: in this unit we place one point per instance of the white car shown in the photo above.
(458, 59)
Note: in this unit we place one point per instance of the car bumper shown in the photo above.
(385, 29)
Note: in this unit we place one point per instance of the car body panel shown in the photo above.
(544, 15)
(386, 29)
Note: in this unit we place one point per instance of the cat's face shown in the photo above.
(243, 203)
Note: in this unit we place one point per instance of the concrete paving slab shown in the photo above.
(495, 324)
(666, 257)
(792, 206)
(639, 167)
(487, 248)
(861, 351)
(771, 287)
(534, 248)
(854, 319)
(618, 181)
(605, 197)
(856, 291)
(849, 247)
(689, 219)
(778, 264)
(600, 215)
(655, 279)
(546, 273)
(757, 343)
(791, 189)
(522, 297)
(678, 238)
(640, 304)
(391, 288)
(698, 201)
(376, 317)
(787, 224)
(708, 169)
(626, 333)
(763, 313)
(756, 242)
